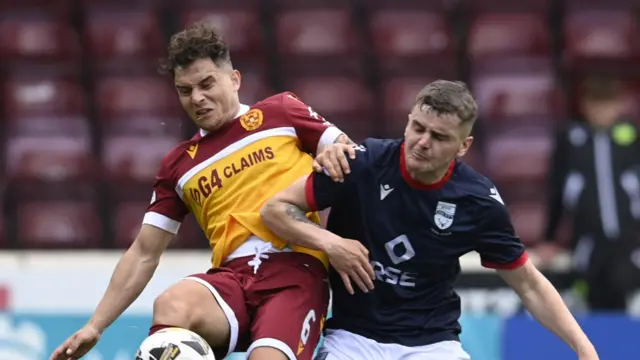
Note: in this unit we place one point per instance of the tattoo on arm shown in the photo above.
(344, 139)
(298, 214)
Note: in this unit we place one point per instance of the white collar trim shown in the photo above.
(243, 110)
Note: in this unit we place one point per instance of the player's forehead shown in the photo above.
(430, 119)
(196, 72)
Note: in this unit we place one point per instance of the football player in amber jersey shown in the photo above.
(261, 295)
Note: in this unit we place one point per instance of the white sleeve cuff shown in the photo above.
(329, 136)
(161, 221)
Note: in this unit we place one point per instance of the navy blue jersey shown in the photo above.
(415, 235)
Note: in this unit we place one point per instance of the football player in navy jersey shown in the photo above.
(399, 222)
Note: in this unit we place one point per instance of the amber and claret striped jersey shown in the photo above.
(224, 177)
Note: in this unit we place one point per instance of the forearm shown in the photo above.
(291, 223)
(130, 277)
(545, 304)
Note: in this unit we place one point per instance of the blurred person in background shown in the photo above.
(594, 176)
(259, 291)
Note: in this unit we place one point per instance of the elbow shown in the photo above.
(268, 213)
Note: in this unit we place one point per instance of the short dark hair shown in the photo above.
(198, 41)
(449, 98)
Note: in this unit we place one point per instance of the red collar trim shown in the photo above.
(417, 184)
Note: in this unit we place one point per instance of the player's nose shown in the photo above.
(197, 97)
(424, 141)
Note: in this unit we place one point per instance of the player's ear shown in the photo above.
(236, 78)
(464, 147)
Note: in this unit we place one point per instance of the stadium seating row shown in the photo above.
(124, 33)
(68, 139)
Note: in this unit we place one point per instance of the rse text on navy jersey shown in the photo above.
(415, 234)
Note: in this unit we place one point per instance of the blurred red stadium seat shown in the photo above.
(61, 7)
(517, 95)
(136, 96)
(317, 40)
(315, 32)
(343, 101)
(3, 234)
(135, 158)
(143, 127)
(635, 101)
(190, 236)
(506, 5)
(254, 87)
(407, 40)
(399, 94)
(123, 41)
(249, 5)
(514, 34)
(128, 218)
(475, 158)
(27, 97)
(332, 94)
(518, 154)
(138, 106)
(239, 27)
(49, 158)
(37, 39)
(58, 224)
(600, 33)
(528, 217)
(128, 4)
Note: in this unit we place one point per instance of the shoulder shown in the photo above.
(476, 189)
(370, 153)
(381, 151)
(171, 160)
(281, 101)
(285, 107)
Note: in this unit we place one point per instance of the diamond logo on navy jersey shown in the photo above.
(399, 249)
(444, 214)
(496, 196)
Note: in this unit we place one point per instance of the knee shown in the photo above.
(171, 307)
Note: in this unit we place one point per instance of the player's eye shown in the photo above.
(184, 91)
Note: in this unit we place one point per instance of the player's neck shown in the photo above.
(430, 177)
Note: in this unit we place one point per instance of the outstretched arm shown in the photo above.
(285, 215)
(544, 302)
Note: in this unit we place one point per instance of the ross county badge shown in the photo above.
(251, 120)
(444, 214)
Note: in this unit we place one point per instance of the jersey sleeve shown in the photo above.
(497, 243)
(166, 210)
(321, 191)
(312, 129)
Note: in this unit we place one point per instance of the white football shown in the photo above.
(175, 344)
